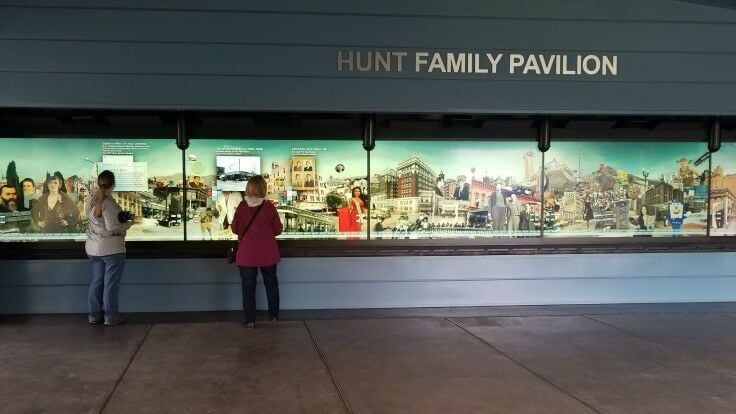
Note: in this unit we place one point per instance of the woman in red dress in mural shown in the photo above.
(356, 207)
(350, 218)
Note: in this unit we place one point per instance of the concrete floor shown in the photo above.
(665, 358)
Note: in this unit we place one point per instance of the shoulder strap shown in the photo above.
(252, 219)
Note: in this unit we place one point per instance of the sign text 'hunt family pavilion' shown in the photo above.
(480, 63)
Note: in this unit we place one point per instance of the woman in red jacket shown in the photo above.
(258, 248)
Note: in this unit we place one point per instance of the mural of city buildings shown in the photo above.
(723, 191)
(460, 189)
(417, 189)
(319, 188)
(626, 188)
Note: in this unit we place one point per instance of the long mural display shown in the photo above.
(323, 189)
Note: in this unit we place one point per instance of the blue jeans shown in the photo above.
(104, 286)
(270, 281)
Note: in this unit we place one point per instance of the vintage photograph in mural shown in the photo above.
(626, 188)
(303, 172)
(47, 185)
(723, 191)
(319, 187)
(233, 171)
(455, 189)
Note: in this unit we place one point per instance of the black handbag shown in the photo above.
(232, 252)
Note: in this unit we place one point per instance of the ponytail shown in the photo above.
(105, 181)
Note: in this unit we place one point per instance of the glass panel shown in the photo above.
(455, 189)
(51, 180)
(310, 183)
(626, 189)
(723, 191)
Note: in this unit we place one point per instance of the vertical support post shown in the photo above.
(709, 204)
(544, 135)
(542, 213)
(368, 144)
(714, 144)
(182, 142)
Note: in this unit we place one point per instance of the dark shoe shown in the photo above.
(250, 325)
(114, 321)
(95, 321)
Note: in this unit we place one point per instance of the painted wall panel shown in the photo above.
(390, 269)
(339, 95)
(681, 57)
(364, 30)
(319, 62)
(676, 57)
(51, 286)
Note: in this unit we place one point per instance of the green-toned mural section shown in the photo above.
(723, 191)
(455, 189)
(630, 188)
(319, 187)
(48, 184)
(415, 189)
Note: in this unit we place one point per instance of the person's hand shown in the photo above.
(42, 224)
(64, 223)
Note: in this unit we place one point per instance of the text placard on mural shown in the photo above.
(477, 63)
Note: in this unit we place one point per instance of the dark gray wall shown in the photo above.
(674, 57)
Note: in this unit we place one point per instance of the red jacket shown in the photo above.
(258, 248)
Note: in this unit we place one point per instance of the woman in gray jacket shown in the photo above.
(105, 248)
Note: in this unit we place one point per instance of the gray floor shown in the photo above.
(664, 358)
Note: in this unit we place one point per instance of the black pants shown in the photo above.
(249, 275)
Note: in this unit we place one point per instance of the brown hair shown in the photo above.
(256, 187)
(106, 180)
(48, 180)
